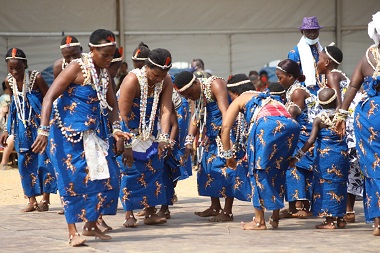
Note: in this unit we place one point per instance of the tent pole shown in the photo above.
(338, 23)
(230, 52)
(120, 22)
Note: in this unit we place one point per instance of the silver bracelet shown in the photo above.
(299, 155)
(227, 154)
(163, 137)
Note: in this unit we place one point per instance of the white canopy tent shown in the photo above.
(230, 36)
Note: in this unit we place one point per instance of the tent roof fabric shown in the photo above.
(230, 36)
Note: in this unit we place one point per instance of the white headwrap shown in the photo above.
(374, 28)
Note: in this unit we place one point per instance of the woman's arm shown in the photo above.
(41, 84)
(333, 80)
(220, 95)
(355, 84)
(230, 116)
(166, 111)
(57, 67)
(313, 135)
(298, 97)
(309, 143)
(71, 74)
(166, 104)
(128, 91)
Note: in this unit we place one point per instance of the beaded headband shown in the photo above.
(329, 100)
(14, 51)
(16, 57)
(187, 85)
(117, 59)
(160, 66)
(283, 70)
(70, 45)
(103, 45)
(111, 43)
(121, 51)
(138, 59)
(332, 58)
(277, 92)
(238, 83)
(135, 58)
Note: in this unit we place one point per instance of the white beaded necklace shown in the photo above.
(27, 86)
(240, 131)
(376, 55)
(100, 84)
(146, 131)
(293, 87)
(68, 133)
(64, 63)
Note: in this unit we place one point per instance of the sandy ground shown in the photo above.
(12, 193)
(184, 232)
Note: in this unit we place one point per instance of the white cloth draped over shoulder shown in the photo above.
(308, 61)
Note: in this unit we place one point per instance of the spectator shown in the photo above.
(306, 53)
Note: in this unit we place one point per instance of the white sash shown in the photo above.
(96, 150)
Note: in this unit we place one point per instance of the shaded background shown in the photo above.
(230, 36)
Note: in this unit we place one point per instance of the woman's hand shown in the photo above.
(231, 163)
(119, 147)
(128, 157)
(340, 127)
(3, 139)
(188, 151)
(162, 150)
(40, 144)
(122, 135)
(292, 162)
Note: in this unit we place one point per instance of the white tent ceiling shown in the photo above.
(230, 36)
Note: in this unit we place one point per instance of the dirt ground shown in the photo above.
(12, 193)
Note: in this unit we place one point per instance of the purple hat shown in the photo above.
(310, 23)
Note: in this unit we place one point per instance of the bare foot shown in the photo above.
(130, 222)
(75, 240)
(154, 219)
(340, 222)
(30, 207)
(273, 223)
(207, 213)
(103, 226)
(253, 225)
(222, 217)
(302, 214)
(326, 225)
(95, 231)
(376, 231)
(143, 212)
(165, 214)
(349, 217)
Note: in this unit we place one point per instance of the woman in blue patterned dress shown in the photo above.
(272, 138)
(237, 84)
(106, 134)
(85, 181)
(301, 105)
(27, 91)
(331, 172)
(367, 125)
(144, 98)
(70, 50)
(177, 166)
(329, 60)
(214, 178)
